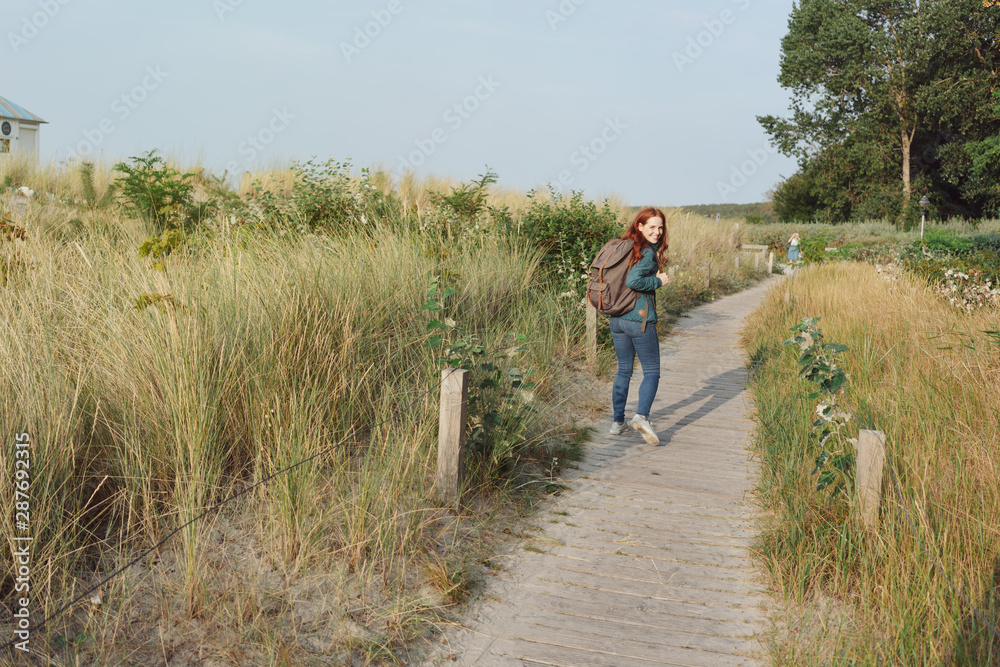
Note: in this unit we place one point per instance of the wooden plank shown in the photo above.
(681, 575)
(871, 461)
(591, 343)
(612, 581)
(682, 454)
(737, 526)
(628, 644)
(662, 547)
(656, 601)
(675, 485)
(561, 655)
(451, 434)
(623, 493)
(688, 530)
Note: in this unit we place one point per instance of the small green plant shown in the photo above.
(154, 190)
(93, 200)
(157, 248)
(161, 301)
(468, 199)
(323, 197)
(817, 364)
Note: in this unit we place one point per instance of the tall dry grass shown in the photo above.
(152, 395)
(928, 376)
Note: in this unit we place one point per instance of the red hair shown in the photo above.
(634, 234)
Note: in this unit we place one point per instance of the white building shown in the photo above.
(18, 129)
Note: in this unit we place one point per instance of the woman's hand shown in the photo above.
(664, 278)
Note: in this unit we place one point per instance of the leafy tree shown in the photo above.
(884, 97)
(985, 168)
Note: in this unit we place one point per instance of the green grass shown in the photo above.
(924, 373)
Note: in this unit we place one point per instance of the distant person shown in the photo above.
(634, 333)
(793, 249)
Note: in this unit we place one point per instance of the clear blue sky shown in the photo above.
(654, 101)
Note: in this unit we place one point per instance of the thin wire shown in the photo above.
(940, 569)
(218, 505)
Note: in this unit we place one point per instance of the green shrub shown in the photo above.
(941, 250)
(155, 191)
(571, 231)
(468, 199)
(814, 247)
(324, 197)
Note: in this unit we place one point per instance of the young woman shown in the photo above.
(634, 333)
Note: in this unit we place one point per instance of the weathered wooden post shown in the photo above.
(591, 336)
(871, 461)
(736, 260)
(451, 433)
(770, 263)
(708, 274)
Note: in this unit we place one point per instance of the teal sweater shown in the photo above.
(642, 278)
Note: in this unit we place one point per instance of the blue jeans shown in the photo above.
(631, 341)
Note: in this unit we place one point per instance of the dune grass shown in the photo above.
(928, 376)
(151, 395)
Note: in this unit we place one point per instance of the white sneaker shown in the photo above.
(616, 428)
(645, 429)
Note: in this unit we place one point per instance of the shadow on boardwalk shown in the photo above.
(716, 392)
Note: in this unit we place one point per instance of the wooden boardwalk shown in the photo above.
(644, 561)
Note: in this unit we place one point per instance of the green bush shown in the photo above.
(941, 250)
(324, 197)
(155, 191)
(571, 231)
(814, 247)
(468, 199)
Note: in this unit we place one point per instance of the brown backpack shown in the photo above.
(606, 288)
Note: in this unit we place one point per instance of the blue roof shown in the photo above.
(10, 110)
